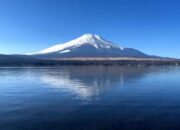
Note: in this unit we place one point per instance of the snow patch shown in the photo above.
(65, 51)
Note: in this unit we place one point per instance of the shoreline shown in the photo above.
(122, 61)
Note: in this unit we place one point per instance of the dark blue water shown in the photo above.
(90, 98)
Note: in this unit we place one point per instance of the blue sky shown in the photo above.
(152, 26)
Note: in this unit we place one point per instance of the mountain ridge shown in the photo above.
(88, 45)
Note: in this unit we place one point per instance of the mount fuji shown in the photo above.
(88, 49)
(88, 45)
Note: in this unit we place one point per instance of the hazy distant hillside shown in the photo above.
(21, 60)
(16, 59)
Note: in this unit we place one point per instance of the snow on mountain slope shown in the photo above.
(90, 39)
(88, 45)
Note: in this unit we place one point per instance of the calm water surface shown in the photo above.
(90, 98)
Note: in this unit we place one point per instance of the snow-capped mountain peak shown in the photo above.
(86, 39)
(88, 45)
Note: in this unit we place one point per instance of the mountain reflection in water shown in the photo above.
(90, 98)
(90, 81)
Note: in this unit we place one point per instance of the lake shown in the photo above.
(90, 98)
